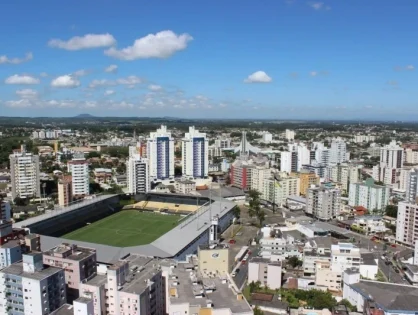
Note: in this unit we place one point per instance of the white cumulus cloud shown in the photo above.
(109, 92)
(21, 79)
(15, 61)
(155, 87)
(160, 45)
(258, 77)
(84, 42)
(112, 69)
(65, 81)
(27, 93)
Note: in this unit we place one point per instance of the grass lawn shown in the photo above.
(126, 228)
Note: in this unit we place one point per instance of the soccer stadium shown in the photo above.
(157, 225)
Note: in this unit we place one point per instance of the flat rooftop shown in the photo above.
(188, 288)
(65, 251)
(66, 309)
(389, 296)
(17, 270)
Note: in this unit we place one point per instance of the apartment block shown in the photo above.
(407, 223)
(79, 264)
(195, 158)
(249, 173)
(277, 190)
(79, 169)
(160, 154)
(132, 286)
(369, 195)
(345, 173)
(24, 170)
(137, 174)
(5, 210)
(344, 256)
(269, 273)
(306, 180)
(29, 287)
(65, 195)
(338, 151)
(323, 203)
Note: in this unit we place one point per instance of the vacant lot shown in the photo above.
(126, 228)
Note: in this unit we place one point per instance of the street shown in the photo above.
(390, 273)
(242, 274)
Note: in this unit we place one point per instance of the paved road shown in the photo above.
(390, 273)
(242, 275)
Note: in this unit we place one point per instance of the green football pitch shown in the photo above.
(126, 228)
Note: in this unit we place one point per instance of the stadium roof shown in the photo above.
(167, 245)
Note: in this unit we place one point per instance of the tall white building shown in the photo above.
(411, 156)
(368, 195)
(223, 143)
(392, 156)
(406, 222)
(194, 158)
(29, 287)
(24, 170)
(267, 137)
(320, 154)
(293, 160)
(304, 156)
(289, 134)
(137, 174)
(323, 203)
(79, 169)
(338, 151)
(160, 153)
(345, 173)
(412, 186)
(344, 256)
(278, 190)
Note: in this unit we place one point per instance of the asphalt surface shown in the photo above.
(390, 273)
(241, 276)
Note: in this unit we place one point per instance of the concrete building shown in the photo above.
(213, 260)
(411, 156)
(10, 253)
(344, 174)
(323, 203)
(5, 210)
(320, 154)
(363, 138)
(277, 190)
(267, 137)
(78, 262)
(317, 168)
(406, 222)
(344, 256)
(412, 186)
(289, 135)
(189, 292)
(392, 156)
(137, 174)
(289, 161)
(132, 286)
(338, 151)
(370, 224)
(272, 247)
(24, 174)
(269, 273)
(223, 143)
(160, 154)
(249, 173)
(29, 287)
(306, 180)
(185, 186)
(65, 195)
(369, 266)
(194, 158)
(369, 195)
(79, 169)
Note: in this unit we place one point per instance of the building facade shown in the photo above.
(195, 158)
(79, 169)
(137, 174)
(24, 170)
(369, 195)
(323, 203)
(338, 151)
(269, 273)
(65, 195)
(406, 222)
(160, 154)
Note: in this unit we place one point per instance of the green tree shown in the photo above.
(257, 311)
(294, 262)
(391, 211)
(236, 211)
(347, 304)
(255, 209)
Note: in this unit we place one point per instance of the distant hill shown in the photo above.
(84, 116)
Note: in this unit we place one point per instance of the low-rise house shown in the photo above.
(102, 175)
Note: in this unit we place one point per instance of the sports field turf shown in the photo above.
(126, 228)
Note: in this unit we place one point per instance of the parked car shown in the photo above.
(232, 241)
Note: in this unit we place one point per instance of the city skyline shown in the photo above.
(286, 59)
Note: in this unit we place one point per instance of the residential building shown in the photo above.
(289, 135)
(306, 180)
(102, 175)
(10, 253)
(406, 223)
(79, 169)
(272, 246)
(223, 143)
(412, 186)
(338, 151)
(269, 273)
(277, 190)
(214, 152)
(317, 168)
(5, 210)
(185, 186)
(344, 256)
(289, 161)
(311, 258)
(29, 287)
(372, 197)
(369, 224)
(392, 155)
(194, 158)
(249, 173)
(79, 264)
(24, 174)
(267, 137)
(137, 174)
(320, 154)
(411, 156)
(190, 292)
(160, 154)
(363, 138)
(131, 286)
(344, 174)
(65, 195)
(369, 266)
(323, 203)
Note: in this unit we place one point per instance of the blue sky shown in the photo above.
(284, 59)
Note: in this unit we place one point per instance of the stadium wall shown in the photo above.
(203, 239)
(69, 221)
(172, 198)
